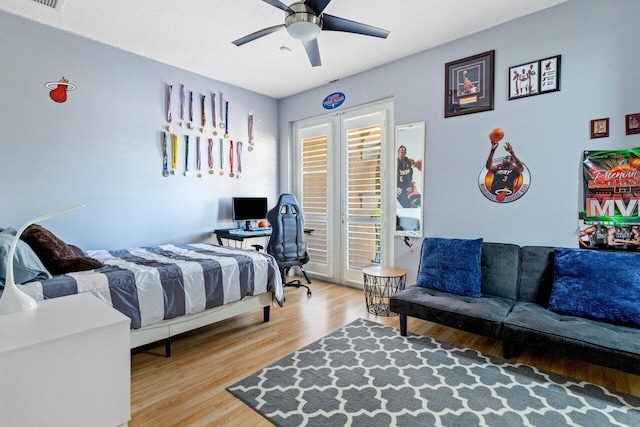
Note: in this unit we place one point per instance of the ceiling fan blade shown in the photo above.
(334, 23)
(258, 34)
(279, 5)
(311, 46)
(317, 5)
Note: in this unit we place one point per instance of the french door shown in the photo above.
(339, 164)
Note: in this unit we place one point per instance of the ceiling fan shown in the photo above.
(304, 20)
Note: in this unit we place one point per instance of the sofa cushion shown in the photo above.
(536, 275)
(500, 263)
(598, 342)
(597, 285)
(481, 315)
(451, 265)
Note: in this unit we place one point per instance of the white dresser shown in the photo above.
(67, 363)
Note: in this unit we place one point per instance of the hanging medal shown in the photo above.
(174, 154)
(250, 131)
(231, 175)
(181, 106)
(198, 157)
(186, 156)
(239, 154)
(213, 113)
(169, 117)
(221, 110)
(165, 160)
(210, 156)
(204, 115)
(191, 110)
(226, 119)
(221, 157)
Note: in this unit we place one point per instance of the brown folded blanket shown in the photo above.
(57, 256)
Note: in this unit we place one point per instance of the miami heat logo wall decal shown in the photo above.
(58, 90)
(503, 179)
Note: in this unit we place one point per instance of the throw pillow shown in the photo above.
(451, 265)
(597, 285)
(57, 256)
(27, 266)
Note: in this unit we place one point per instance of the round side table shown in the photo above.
(380, 283)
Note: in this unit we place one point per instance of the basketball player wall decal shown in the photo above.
(503, 179)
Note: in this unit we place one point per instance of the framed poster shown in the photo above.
(550, 74)
(632, 123)
(600, 128)
(524, 80)
(468, 86)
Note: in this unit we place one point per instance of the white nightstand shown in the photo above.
(66, 363)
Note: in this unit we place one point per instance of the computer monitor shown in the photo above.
(249, 208)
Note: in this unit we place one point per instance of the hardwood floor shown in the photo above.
(189, 387)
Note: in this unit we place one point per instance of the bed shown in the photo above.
(170, 289)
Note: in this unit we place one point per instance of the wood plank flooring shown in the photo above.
(188, 389)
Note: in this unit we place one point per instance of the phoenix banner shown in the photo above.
(611, 200)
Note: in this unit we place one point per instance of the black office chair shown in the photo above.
(286, 243)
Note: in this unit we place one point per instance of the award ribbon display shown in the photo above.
(213, 113)
(191, 110)
(221, 157)
(198, 157)
(203, 114)
(231, 159)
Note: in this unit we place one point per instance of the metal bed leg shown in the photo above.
(266, 312)
(167, 347)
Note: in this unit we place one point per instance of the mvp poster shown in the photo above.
(611, 200)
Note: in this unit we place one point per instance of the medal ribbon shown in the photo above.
(204, 113)
(239, 154)
(174, 152)
(182, 102)
(186, 153)
(231, 158)
(198, 159)
(221, 155)
(191, 106)
(226, 117)
(169, 105)
(213, 108)
(221, 105)
(250, 128)
(210, 154)
(165, 159)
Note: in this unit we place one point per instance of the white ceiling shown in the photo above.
(196, 35)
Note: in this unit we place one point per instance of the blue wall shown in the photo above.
(598, 41)
(102, 147)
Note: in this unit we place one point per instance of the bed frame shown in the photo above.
(165, 330)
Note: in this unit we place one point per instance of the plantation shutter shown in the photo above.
(315, 195)
(364, 197)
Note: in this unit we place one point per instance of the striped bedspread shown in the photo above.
(154, 283)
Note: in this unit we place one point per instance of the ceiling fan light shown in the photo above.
(303, 30)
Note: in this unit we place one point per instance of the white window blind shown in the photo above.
(315, 196)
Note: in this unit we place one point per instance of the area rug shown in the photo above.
(366, 374)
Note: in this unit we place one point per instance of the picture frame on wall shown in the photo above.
(632, 123)
(550, 74)
(468, 85)
(600, 128)
(524, 80)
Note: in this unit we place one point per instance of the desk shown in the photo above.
(239, 236)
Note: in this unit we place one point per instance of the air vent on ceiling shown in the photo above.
(54, 4)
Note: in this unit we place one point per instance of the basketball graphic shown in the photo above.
(496, 135)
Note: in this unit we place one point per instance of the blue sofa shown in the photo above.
(516, 284)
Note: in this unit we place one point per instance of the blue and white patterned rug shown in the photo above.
(366, 374)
